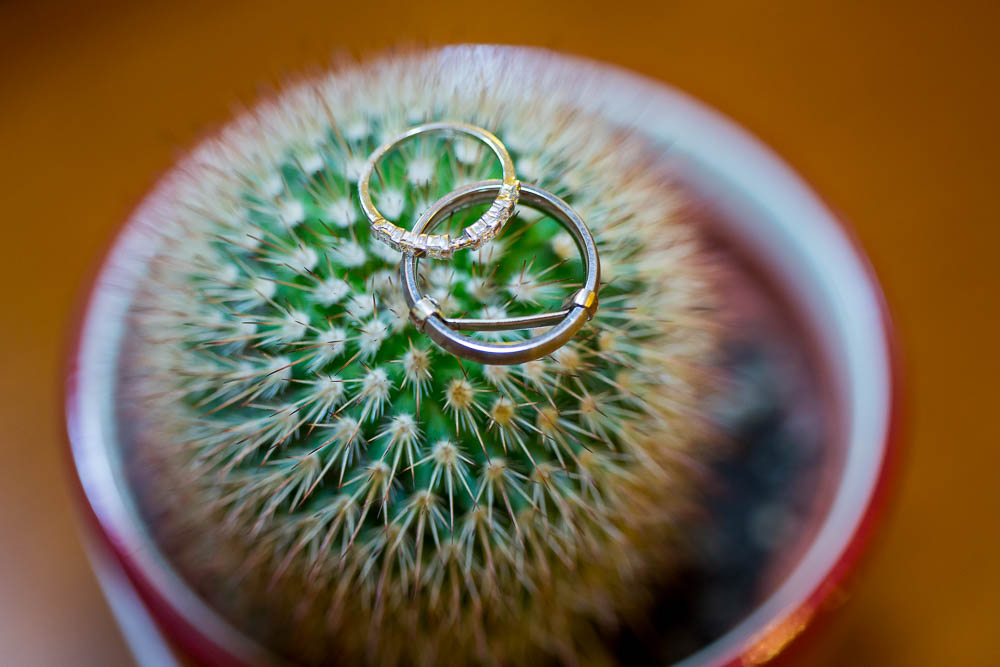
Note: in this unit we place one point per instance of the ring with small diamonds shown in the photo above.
(442, 246)
(564, 323)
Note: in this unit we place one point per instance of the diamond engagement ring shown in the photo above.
(578, 309)
(415, 242)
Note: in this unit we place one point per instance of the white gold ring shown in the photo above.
(565, 323)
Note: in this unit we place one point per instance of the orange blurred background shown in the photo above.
(888, 108)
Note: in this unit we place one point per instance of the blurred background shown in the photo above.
(888, 108)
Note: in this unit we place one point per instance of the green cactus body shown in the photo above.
(336, 485)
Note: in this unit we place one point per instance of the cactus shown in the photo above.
(336, 485)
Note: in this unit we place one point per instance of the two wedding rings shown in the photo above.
(422, 242)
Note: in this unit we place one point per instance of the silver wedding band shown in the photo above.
(565, 323)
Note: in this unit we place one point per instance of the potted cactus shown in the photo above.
(289, 472)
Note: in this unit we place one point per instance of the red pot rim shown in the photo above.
(734, 166)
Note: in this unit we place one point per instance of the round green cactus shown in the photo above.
(344, 490)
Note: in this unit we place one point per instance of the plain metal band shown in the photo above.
(565, 323)
(414, 242)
